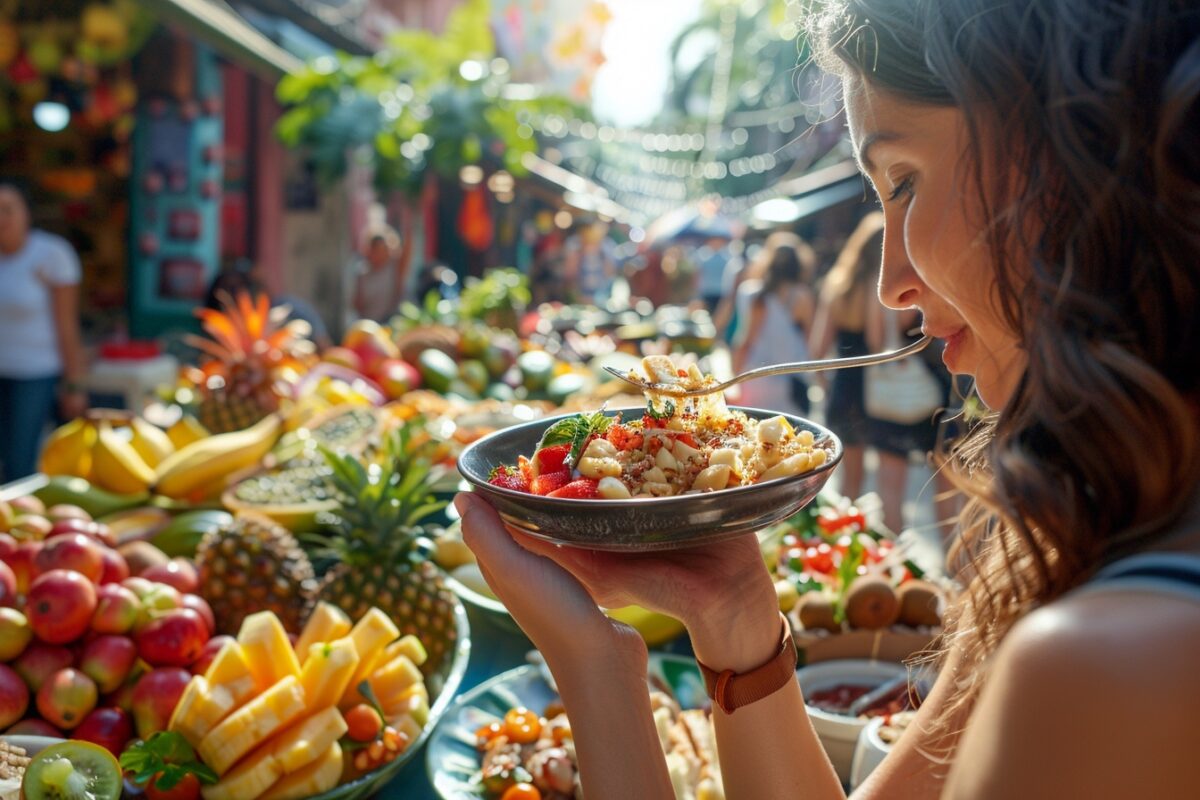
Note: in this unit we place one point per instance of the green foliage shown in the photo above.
(168, 756)
(501, 292)
(408, 109)
(576, 431)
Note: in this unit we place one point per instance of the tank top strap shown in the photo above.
(1165, 572)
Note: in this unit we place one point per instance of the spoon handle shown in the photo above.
(833, 363)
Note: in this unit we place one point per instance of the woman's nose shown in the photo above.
(899, 284)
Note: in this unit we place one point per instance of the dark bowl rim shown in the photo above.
(679, 499)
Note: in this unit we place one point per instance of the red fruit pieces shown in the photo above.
(549, 482)
(550, 459)
(581, 489)
(624, 438)
(509, 478)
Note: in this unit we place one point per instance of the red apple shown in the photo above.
(29, 504)
(32, 726)
(198, 604)
(67, 511)
(103, 534)
(15, 633)
(178, 572)
(8, 546)
(111, 728)
(155, 698)
(71, 525)
(66, 697)
(40, 660)
(32, 526)
(8, 586)
(123, 698)
(396, 377)
(107, 660)
(115, 568)
(211, 648)
(60, 606)
(343, 356)
(138, 586)
(14, 696)
(22, 564)
(117, 609)
(372, 344)
(74, 551)
(173, 639)
(160, 598)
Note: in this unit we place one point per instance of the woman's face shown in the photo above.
(14, 218)
(935, 254)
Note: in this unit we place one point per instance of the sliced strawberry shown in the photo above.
(548, 482)
(581, 489)
(550, 459)
(509, 478)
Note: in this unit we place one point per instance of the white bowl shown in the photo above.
(839, 733)
(869, 751)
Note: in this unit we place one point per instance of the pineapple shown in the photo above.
(255, 565)
(377, 540)
(250, 351)
(252, 724)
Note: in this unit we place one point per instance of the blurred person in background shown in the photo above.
(711, 260)
(730, 314)
(41, 346)
(590, 264)
(778, 319)
(382, 275)
(841, 323)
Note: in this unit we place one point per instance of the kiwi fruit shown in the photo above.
(871, 603)
(815, 610)
(920, 603)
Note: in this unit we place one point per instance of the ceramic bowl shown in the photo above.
(839, 733)
(642, 524)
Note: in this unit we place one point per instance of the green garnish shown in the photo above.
(168, 756)
(667, 412)
(576, 431)
(501, 469)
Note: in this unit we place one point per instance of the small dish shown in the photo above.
(451, 758)
(642, 524)
(839, 733)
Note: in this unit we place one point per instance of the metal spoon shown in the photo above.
(777, 369)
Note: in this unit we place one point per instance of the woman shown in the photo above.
(1041, 191)
(730, 316)
(841, 321)
(779, 315)
(41, 349)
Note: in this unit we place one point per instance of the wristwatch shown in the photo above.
(731, 690)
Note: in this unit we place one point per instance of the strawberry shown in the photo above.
(509, 478)
(550, 459)
(581, 489)
(548, 482)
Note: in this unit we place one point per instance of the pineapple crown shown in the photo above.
(247, 333)
(382, 504)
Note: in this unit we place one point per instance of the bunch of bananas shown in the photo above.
(182, 463)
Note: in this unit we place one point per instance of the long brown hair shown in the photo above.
(1096, 106)
(857, 265)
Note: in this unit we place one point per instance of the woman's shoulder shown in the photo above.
(1092, 677)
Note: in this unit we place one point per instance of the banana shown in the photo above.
(68, 450)
(187, 429)
(193, 469)
(116, 466)
(151, 443)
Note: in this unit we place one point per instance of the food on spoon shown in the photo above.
(684, 446)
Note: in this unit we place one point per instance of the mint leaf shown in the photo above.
(168, 756)
(667, 412)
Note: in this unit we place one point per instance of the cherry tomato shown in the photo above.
(485, 733)
(186, 789)
(522, 791)
(817, 561)
(522, 725)
(363, 723)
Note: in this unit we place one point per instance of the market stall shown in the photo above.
(255, 585)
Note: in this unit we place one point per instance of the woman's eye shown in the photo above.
(903, 189)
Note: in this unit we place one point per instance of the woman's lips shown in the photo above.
(953, 348)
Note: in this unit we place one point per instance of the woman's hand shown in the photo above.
(722, 592)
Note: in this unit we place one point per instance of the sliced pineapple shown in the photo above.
(327, 672)
(252, 724)
(268, 652)
(406, 646)
(247, 781)
(319, 776)
(327, 622)
(230, 671)
(200, 709)
(305, 741)
(390, 680)
(373, 633)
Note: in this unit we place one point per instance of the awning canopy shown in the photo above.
(227, 32)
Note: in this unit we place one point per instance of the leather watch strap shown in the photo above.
(731, 690)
